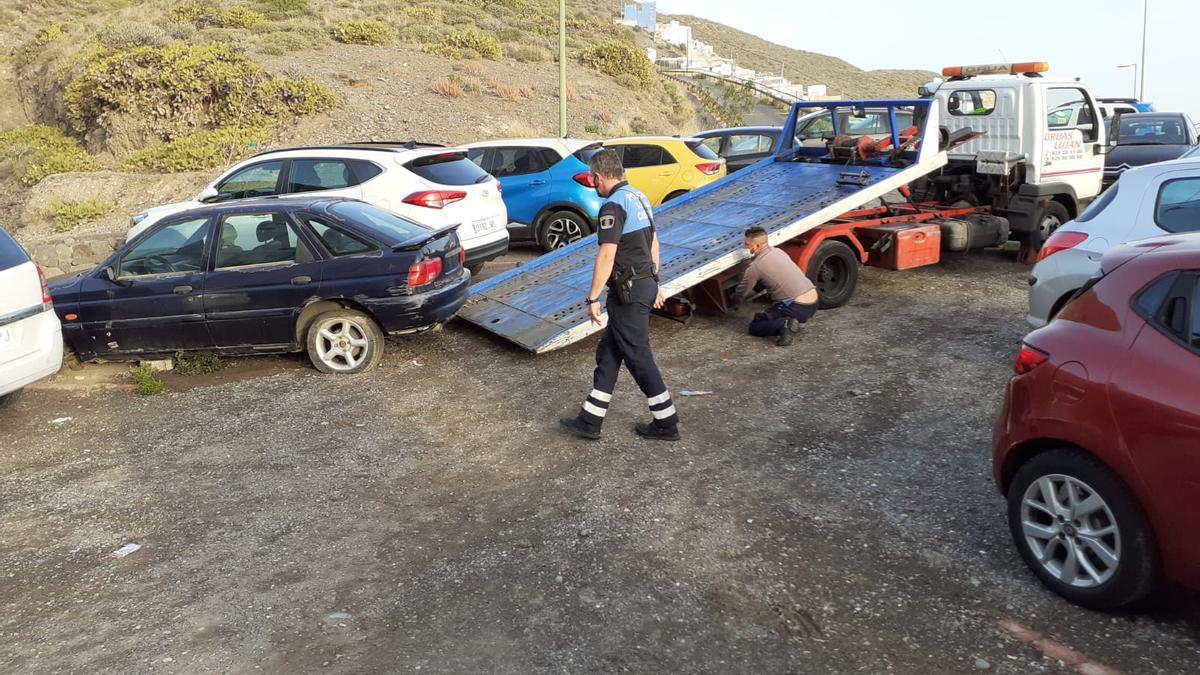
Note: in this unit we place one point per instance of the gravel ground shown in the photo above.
(830, 510)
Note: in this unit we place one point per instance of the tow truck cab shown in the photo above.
(1040, 159)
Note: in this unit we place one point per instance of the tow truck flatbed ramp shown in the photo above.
(541, 305)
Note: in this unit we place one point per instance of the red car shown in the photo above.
(1098, 446)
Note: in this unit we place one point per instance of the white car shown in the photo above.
(31, 345)
(1148, 201)
(432, 186)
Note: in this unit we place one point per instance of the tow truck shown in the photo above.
(894, 202)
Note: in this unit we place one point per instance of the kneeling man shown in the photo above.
(793, 296)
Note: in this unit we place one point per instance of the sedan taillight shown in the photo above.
(1028, 359)
(709, 168)
(1061, 240)
(424, 272)
(435, 199)
(46, 300)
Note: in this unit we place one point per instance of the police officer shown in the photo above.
(627, 263)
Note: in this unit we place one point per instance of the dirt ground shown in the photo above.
(830, 510)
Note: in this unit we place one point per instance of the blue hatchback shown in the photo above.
(328, 276)
(548, 189)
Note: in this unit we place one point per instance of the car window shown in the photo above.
(389, 226)
(1151, 131)
(697, 146)
(713, 144)
(1178, 207)
(477, 156)
(338, 241)
(1097, 206)
(1194, 337)
(11, 253)
(257, 180)
(550, 157)
(259, 239)
(971, 102)
(310, 175)
(749, 144)
(1069, 108)
(174, 247)
(517, 162)
(817, 127)
(638, 156)
(448, 168)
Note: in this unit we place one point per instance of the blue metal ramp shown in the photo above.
(541, 307)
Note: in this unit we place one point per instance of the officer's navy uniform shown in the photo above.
(625, 220)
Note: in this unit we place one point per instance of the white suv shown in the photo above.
(31, 344)
(432, 186)
(1148, 201)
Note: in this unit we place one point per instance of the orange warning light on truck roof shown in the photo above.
(996, 69)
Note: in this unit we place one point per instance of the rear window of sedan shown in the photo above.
(387, 227)
(11, 253)
(697, 146)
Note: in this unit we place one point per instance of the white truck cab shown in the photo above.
(1040, 159)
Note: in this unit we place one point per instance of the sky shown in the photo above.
(1085, 40)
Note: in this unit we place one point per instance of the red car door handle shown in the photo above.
(182, 290)
(301, 280)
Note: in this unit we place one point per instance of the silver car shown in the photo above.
(1146, 202)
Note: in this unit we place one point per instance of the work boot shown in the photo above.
(787, 332)
(574, 427)
(654, 432)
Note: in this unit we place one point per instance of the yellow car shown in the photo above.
(664, 167)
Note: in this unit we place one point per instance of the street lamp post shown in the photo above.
(1135, 78)
(1142, 87)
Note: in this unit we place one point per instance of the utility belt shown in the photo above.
(622, 282)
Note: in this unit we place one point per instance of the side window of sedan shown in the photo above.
(259, 239)
(173, 248)
(338, 241)
(256, 180)
(312, 175)
(713, 143)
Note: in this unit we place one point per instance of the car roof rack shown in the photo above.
(378, 146)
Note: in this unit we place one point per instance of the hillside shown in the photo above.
(843, 79)
(140, 102)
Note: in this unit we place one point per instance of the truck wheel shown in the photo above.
(561, 228)
(344, 341)
(833, 269)
(1053, 216)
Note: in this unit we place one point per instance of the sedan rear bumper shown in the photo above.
(43, 362)
(486, 252)
(420, 311)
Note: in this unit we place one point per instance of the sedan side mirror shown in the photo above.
(208, 195)
(111, 275)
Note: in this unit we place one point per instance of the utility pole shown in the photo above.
(1145, 14)
(562, 68)
(1135, 76)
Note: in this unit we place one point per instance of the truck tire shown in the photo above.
(833, 269)
(1050, 219)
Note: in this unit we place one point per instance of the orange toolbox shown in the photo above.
(902, 246)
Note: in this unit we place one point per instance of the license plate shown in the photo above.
(485, 225)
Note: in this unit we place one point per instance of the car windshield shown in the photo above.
(1161, 130)
(387, 226)
(11, 254)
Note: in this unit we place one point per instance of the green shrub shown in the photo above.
(630, 81)
(615, 58)
(180, 89)
(639, 126)
(241, 16)
(281, 42)
(283, 7)
(512, 35)
(460, 44)
(366, 32)
(48, 34)
(35, 151)
(204, 14)
(594, 128)
(202, 150)
(130, 35)
(424, 14)
(526, 53)
(68, 215)
(147, 383)
(196, 364)
(420, 34)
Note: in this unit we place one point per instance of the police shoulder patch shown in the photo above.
(607, 222)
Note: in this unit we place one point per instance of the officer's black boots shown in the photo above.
(573, 426)
(787, 332)
(655, 432)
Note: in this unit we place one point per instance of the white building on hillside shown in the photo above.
(652, 54)
(817, 91)
(674, 33)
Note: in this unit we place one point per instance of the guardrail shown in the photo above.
(769, 92)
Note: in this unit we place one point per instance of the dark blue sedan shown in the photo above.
(329, 276)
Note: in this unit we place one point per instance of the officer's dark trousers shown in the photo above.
(627, 340)
(768, 323)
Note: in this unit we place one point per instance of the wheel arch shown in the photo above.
(319, 306)
(563, 206)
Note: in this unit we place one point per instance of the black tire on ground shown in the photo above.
(1051, 218)
(344, 341)
(475, 269)
(9, 398)
(557, 229)
(1134, 574)
(674, 195)
(833, 269)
